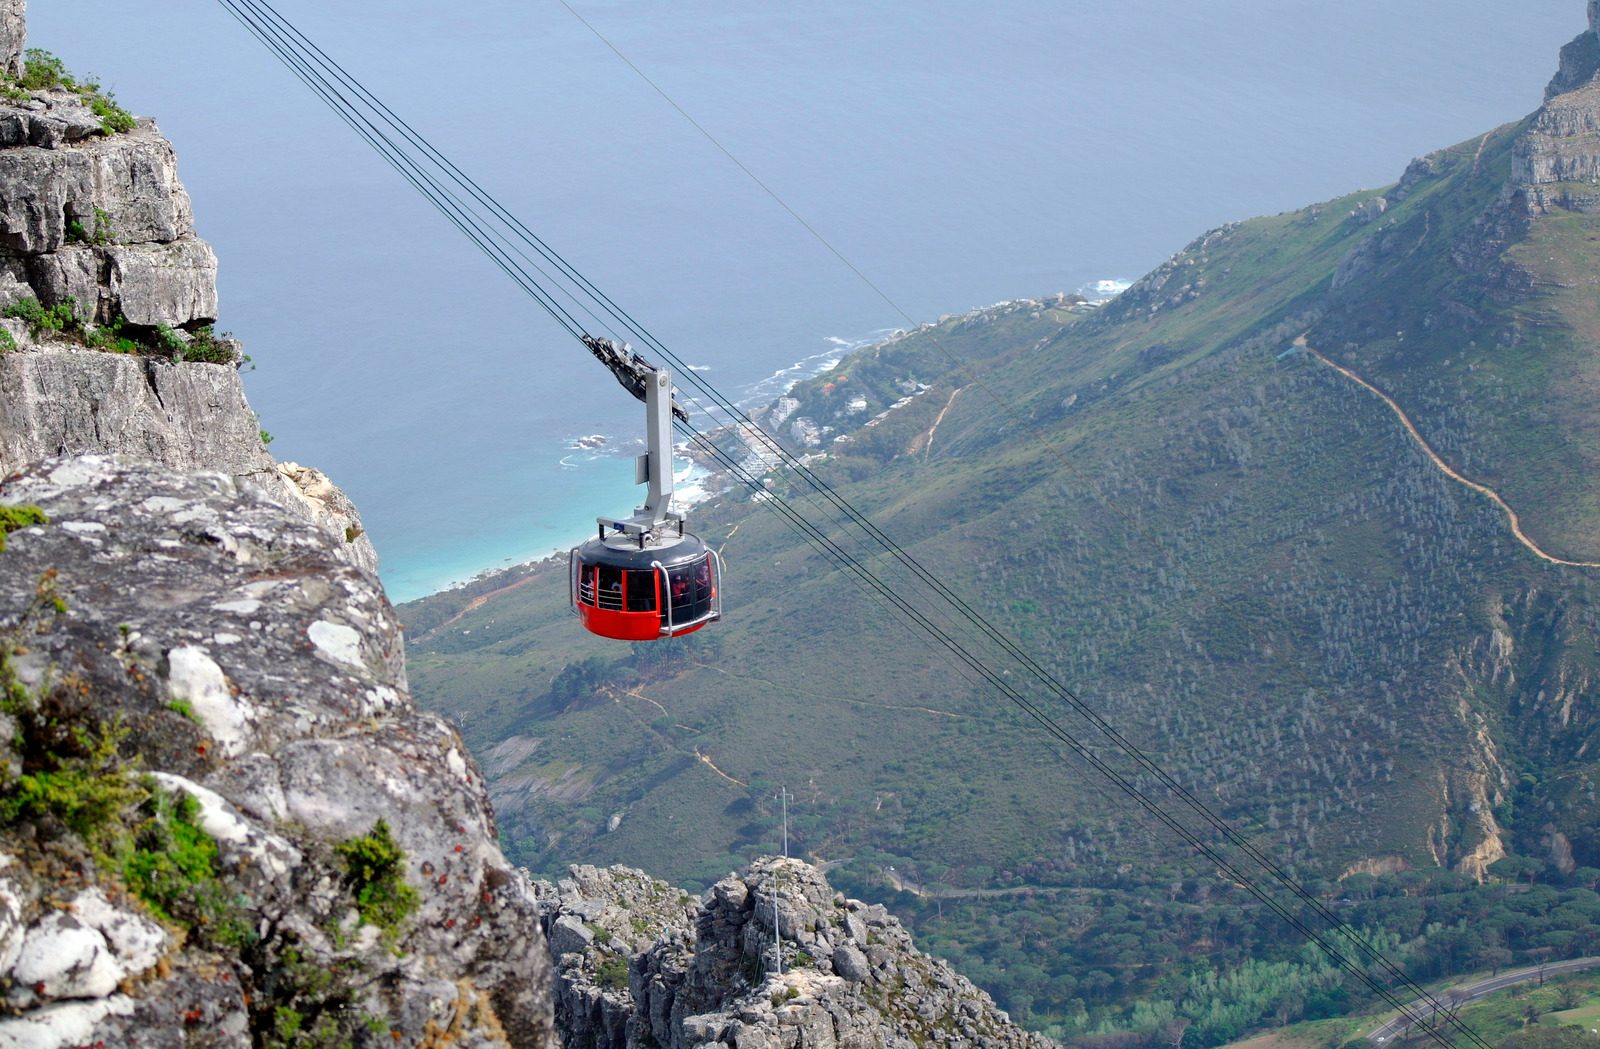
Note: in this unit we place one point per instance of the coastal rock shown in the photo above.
(254, 670)
(662, 969)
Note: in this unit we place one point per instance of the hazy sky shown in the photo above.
(957, 153)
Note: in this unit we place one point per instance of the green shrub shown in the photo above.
(374, 866)
(8, 341)
(171, 863)
(71, 771)
(60, 318)
(113, 118)
(110, 337)
(42, 70)
(208, 348)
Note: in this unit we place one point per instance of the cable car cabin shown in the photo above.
(666, 589)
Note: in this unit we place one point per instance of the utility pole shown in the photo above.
(783, 797)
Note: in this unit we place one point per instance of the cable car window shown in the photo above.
(691, 590)
(586, 584)
(610, 596)
(642, 591)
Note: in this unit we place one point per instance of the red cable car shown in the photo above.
(644, 577)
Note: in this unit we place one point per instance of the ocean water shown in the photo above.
(956, 155)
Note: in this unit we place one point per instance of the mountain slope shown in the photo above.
(1234, 552)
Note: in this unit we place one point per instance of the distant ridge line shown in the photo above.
(1448, 470)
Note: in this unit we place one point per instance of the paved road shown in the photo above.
(1467, 992)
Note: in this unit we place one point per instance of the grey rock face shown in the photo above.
(296, 733)
(13, 34)
(700, 972)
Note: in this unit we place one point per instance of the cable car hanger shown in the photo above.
(645, 577)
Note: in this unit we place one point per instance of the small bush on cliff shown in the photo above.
(60, 319)
(42, 70)
(71, 777)
(102, 234)
(374, 872)
(113, 118)
(612, 973)
(209, 348)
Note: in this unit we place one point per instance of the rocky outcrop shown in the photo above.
(233, 657)
(1556, 162)
(641, 964)
(1580, 60)
(101, 219)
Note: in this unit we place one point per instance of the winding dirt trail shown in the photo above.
(1448, 470)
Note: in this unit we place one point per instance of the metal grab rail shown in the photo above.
(666, 596)
(574, 575)
(716, 584)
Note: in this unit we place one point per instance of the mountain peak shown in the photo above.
(1580, 60)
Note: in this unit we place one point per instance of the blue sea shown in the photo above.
(956, 154)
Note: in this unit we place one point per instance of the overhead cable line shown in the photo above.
(497, 232)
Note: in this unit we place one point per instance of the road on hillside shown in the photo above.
(1466, 992)
(1438, 461)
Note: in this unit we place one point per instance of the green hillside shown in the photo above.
(1228, 548)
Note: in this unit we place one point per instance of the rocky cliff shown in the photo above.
(222, 821)
(109, 298)
(641, 964)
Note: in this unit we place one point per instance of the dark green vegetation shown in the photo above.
(43, 71)
(1231, 551)
(63, 321)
